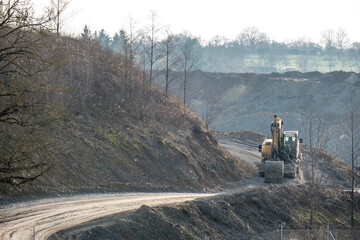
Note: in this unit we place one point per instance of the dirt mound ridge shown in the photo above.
(244, 215)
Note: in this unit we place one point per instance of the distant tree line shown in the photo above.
(251, 48)
(334, 46)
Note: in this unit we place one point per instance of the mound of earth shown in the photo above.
(254, 213)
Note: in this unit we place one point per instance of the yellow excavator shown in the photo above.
(280, 154)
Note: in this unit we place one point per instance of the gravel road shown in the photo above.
(247, 150)
(18, 221)
(241, 148)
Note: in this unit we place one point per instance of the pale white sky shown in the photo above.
(279, 19)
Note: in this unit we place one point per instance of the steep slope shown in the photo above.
(116, 134)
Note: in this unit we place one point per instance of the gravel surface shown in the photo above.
(49, 216)
(52, 215)
(247, 149)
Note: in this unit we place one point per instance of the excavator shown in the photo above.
(280, 154)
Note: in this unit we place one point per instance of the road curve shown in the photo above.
(18, 222)
(242, 148)
(247, 150)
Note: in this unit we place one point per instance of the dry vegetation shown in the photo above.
(88, 120)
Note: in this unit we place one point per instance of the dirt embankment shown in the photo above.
(244, 215)
(111, 157)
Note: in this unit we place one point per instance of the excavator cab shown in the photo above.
(291, 145)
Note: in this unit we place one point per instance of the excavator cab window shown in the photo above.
(289, 140)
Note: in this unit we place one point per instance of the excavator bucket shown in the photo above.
(274, 171)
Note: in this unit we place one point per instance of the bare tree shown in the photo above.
(26, 114)
(271, 56)
(189, 61)
(218, 41)
(152, 38)
(354, 55)
(87, 81)
(318, 132)
(141, 104)
(342, 43)
(303, 62)
(129, 49)
(351, 140)
(59, 7)
(211, 111)
(252, 37)
(170, 59)
(20, 56)
(329, 41)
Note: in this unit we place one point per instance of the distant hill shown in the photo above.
(248, 101)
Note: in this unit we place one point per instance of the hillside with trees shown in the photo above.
(77, 117)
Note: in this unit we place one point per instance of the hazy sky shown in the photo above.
(279, 19)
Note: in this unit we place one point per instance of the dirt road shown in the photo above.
(247, 149)
(242, 148)
(20, 221)
(53, 215)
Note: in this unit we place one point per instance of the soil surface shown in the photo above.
(91, 216)
(49, 216)
(52, 215)
(252, 213)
